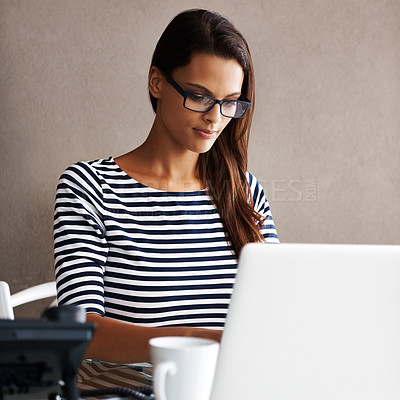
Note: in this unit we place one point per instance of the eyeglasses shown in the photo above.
(202, 103)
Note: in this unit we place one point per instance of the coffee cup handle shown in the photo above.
(160, 376)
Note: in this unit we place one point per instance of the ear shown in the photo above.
(155, 82)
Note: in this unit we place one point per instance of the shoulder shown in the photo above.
(258, 195)
(255, 186)
(92, 172)
(86, 178)
(94, 167)
(253, 181)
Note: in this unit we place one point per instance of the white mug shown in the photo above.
(184, 367)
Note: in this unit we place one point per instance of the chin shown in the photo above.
(203, 149)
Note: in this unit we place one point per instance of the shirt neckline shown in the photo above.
(182, 193)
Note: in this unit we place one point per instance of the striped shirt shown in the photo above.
(142, 255)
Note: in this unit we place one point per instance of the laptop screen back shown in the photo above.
(312, 322)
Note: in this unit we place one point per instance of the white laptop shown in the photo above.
(313, 322)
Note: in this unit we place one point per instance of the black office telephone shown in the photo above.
(39, 359)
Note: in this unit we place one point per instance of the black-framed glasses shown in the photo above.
(202, 103)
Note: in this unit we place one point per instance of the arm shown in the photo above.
(80, 246)
(121, 342)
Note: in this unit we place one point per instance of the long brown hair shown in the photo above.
(223, 168)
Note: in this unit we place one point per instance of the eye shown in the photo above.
(230, 104)
(197, 97)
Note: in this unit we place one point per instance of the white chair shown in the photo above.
(8, 301)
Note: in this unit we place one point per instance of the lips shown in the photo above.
(205, 133)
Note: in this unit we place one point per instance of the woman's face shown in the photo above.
(206, 74)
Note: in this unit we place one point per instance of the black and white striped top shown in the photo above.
(142, 255)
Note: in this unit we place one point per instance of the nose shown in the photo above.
(214, 115)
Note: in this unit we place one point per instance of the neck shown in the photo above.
(168, 160)
(160, 164)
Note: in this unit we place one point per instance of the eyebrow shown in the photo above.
(208, 92)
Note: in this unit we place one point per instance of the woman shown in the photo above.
(152, 237)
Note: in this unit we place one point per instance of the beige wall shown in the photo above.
(326, 135)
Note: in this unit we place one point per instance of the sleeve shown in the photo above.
(261, 205)
(80, 246)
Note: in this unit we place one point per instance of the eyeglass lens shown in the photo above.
(202, 103)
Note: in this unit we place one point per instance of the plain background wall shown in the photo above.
(326, 132)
